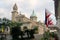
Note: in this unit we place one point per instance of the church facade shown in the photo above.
(30, 23)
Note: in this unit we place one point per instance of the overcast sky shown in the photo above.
(26, 7)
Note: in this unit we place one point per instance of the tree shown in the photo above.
(46, 35)
(2, 28)
(31, 32)
(35, 29)
(26, 30)
(54, 35)
(16, 31)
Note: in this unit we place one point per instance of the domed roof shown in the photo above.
(15, 7)
(33, 14)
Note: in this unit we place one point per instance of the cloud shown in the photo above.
(50, 6)
(26, 7)
(4, 13)
(33, 3)
(40, 16)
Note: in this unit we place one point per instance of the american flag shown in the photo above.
(48, 20)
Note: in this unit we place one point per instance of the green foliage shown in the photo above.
(35, 28)
(52, 34)
(13, 24)
(15, 32)
(48, 34)
(5, 22)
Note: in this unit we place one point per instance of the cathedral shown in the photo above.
(30, 23)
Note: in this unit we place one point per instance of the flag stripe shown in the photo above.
(48, 21)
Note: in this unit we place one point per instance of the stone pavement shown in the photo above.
(37, 37)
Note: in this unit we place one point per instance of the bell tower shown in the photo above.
(33, 17)
(14, 12)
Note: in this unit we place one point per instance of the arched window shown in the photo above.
(25, 28)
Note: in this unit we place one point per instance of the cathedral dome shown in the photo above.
(15, 7)
(33, 14)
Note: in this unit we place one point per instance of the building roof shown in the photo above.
(33, 14)
(15, 7)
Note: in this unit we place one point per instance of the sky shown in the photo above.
(26, 7)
